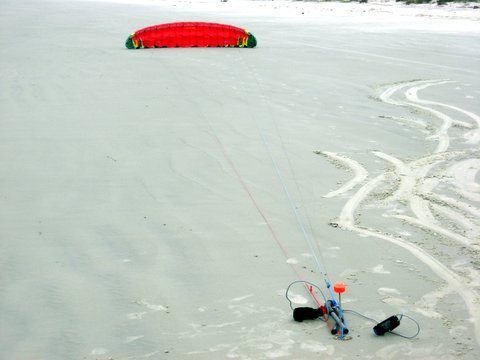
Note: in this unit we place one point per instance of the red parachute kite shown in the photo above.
(191, 34)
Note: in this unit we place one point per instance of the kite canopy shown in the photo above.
(191, 34)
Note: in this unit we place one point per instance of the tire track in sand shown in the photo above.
(442, 133)
(360, 173)
(416, 189)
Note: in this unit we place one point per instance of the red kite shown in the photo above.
(191, 34)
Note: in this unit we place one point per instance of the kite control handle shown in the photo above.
(336, 313)
(386, 325)
(307, 313)
(333, 310)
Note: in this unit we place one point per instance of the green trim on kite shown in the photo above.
(251, 41)
(129, 43)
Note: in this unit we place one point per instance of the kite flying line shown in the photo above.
(331, 308)
(328, 309)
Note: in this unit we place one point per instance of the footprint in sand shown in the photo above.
(152, 307)
(99, 351)
(379, 269)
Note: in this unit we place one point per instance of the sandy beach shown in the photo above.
(157, 203)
